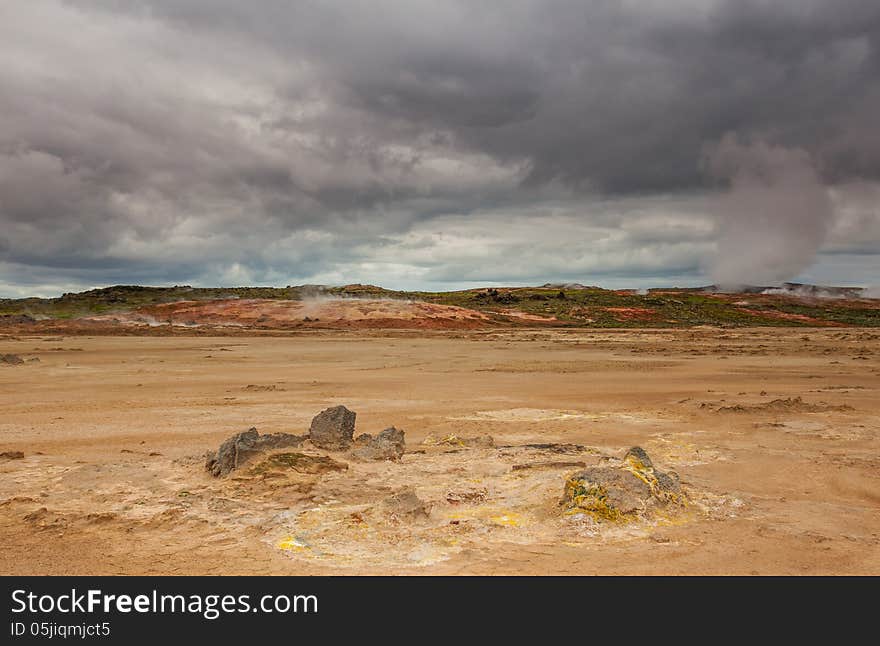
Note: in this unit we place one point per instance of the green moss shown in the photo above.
(300, 462)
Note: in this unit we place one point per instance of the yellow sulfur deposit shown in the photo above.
(507, 520)
(591, 499)
(293, 544)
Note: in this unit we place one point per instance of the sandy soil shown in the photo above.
(114, 430)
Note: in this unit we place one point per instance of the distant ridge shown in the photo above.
(552, 304)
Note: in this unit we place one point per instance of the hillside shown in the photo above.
(368, 306)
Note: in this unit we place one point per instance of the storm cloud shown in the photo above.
(431, 144)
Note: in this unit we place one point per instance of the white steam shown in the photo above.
(773, 219)
(313, 304)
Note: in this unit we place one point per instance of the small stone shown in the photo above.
(405, 504)
(11, 359)
(11, 455)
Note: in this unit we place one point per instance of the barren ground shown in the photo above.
(114, 429)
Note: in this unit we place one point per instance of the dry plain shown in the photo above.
(774, 432)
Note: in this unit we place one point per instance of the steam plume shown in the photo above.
(774, 217)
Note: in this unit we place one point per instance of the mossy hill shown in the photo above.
(578, 306)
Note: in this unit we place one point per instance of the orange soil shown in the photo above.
(317, 313)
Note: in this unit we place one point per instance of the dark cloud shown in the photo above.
(209, 140)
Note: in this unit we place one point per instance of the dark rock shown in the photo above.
(11, 455)
(241, 447)
(232, 453)
(502, 297)
(388, 445)
(11, 359)
(333, 429)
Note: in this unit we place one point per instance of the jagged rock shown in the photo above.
(387, 445)
(241, 447)
(638, 458)
(231, 453)
(11, 359)
(405, 504)
(621, 491)
(333, 429)
(11, 455)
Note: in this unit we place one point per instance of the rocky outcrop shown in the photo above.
(620, 492)
(333, 429)
(242, 447)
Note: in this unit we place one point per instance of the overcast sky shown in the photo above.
(438, 145)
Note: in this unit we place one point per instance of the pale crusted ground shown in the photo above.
(114, 429)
